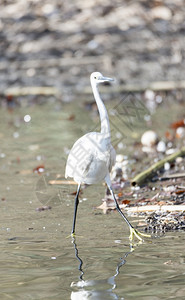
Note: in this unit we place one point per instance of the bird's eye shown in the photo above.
(95, 77)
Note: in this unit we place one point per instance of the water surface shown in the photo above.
(38, 258)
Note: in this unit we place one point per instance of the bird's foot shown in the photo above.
(137, 234)
(73, 235)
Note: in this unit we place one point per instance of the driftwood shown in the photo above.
(154, 86)
(151, 208)
(150, 172)
(31, 90)
(46, 90)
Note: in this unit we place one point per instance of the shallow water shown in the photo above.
(38, 258)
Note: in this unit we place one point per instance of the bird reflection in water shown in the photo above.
(83, 288)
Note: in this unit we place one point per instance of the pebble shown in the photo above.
(135, 188)
(167, 166)
(179, 160)
(150, 95)
(27, 118)
(148, 149)
(170, 151)
(33, 147)
(149, 138)
(119, 158)
(117, 241)
(161, 12)
(15, 135)
(180, 132)
(161, 146)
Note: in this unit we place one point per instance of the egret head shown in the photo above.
(97, 77)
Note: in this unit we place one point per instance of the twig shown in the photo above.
(150, 208)
(181, 187)
(56, 182)
(171, 176)
(150, 172)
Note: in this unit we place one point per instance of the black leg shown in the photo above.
(133, 232)
(119, 210)
(75, 210)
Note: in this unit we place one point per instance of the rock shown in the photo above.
(161, 146)
(149, 138)
(167, 166)
(119, 158)
(161, 12)
(180, 132)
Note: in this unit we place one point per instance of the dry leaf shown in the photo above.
(71, 117)
(180, 123)
(125, 201)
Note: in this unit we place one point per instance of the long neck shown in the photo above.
(105, 126)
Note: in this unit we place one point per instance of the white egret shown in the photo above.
(92, 156)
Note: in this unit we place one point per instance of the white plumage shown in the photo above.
(90, 159)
